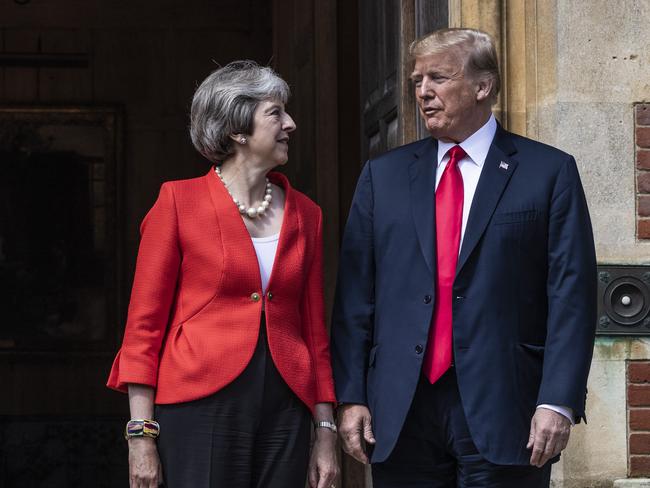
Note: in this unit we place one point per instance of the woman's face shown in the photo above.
(271, 127)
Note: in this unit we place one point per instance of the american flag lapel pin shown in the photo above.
(503, 165)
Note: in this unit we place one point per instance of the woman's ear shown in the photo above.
(239, 138)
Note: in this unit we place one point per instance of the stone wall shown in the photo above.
(603, 72)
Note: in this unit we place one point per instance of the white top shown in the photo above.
(477, 146)
(265, 248)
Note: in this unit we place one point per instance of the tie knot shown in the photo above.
(456, 153)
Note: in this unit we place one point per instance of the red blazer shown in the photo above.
(193, 320)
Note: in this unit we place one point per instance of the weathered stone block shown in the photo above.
(632, 483)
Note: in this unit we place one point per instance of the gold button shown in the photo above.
(255, 297)
(269, 295)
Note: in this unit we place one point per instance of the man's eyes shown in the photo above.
(435, 78)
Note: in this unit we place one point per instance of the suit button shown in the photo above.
(419, 349)
(269, 295)
(255, 297)
(427, 299)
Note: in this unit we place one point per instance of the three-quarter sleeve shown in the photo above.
(152, 296)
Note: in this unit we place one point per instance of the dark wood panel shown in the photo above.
(430, 15)
(49, 385)
(379, 71)
(349, 118)
(63, 452)
(225, 15)
(61, 85)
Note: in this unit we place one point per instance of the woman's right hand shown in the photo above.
(144, 464)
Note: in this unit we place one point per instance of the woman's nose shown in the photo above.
(289, 125)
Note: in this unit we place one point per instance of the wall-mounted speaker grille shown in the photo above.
(623, 300)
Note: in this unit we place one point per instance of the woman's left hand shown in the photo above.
(323, 464)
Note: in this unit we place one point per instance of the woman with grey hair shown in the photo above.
(225, 355)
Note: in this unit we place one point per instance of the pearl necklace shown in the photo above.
(250, 212)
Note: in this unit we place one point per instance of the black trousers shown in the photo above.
(435, 448)
(253, 433)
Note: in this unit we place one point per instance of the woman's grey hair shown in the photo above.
(225, 103)
(476, 46)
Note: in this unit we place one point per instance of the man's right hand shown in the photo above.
(355, 430)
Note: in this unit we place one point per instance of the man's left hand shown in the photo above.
(549, 435)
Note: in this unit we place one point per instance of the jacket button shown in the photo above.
(255, 297)
(419, 349)
(269, 295)
(427, 299)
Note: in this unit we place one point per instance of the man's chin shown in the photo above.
(435, 130)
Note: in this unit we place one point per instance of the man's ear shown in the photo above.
(484, 88)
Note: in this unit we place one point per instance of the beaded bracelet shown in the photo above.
(141, 428)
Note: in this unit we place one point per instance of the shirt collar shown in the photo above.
(476, 146)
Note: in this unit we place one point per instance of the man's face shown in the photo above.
(446, 96)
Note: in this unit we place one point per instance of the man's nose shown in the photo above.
(424, 90)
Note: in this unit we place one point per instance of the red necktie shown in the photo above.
(449, 219)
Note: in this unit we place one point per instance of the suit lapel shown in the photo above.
(422, 180)
(496, 173)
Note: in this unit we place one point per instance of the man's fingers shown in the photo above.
(313, 477)
(354, 428)
(536, 457)
(531, 440)
(538, 447)
(367, 431)
(352, 446)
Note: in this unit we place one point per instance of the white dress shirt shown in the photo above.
(477, 146)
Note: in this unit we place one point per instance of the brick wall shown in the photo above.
(642, 133)
(638, 401)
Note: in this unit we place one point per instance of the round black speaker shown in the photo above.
(627, 300)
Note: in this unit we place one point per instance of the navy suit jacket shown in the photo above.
(524, 309)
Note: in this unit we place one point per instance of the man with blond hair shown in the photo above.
(464, 321)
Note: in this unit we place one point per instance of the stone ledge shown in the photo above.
(632, 483)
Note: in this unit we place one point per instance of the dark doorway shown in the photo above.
(76, 179)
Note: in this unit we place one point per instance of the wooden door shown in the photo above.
(389, 116)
